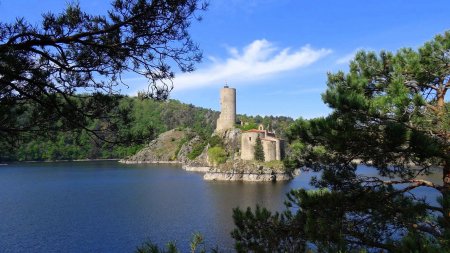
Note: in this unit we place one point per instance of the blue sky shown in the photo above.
(276, 53)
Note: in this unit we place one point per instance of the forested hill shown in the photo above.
(123, 131)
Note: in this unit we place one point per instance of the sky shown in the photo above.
(277, 53)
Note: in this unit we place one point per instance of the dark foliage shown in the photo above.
(262, 231)
(390, 112)
(136, 122)
(259, 151)
(132, 123)
(44, 66)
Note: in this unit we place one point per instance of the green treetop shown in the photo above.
(74, 52)
(391, 112)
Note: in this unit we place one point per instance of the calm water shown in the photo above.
(111, 207)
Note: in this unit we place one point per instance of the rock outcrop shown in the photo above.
(170, 147)
(174, 146)
(231, 139)
(200, 163)
(240, 170)
(187, 147)
(250, 177)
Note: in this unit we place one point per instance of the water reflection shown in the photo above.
(111, 207)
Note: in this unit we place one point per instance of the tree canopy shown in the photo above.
(391, 113)
(75, 53)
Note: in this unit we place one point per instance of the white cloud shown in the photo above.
(258, 60)
(348, 57)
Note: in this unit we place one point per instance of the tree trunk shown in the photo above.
(441, 101)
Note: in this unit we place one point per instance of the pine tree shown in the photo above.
(391, 112)
(259, 151)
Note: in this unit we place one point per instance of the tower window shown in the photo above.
(249, 138)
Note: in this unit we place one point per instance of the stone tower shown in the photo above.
(227, 117)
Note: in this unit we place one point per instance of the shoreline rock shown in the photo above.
(149, 162)
(247, 177)
(196, 168)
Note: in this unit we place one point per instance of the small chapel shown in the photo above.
(272, 146)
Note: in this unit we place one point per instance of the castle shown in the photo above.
(273, 147)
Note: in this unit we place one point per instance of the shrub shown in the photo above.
(196, 150)
(217, 155)
(215, 140)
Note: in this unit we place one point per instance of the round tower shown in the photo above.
(227, 117)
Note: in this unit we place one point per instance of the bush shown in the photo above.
(196, 150)
(215, 141)
(248, 126)
(275, 164)
(217, 155)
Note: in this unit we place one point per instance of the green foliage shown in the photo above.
(417, 242)
(197, 241)
(215, 141)
(120, 132)
(197, 150)
(139, 122)
(262, 231)
(276, 164)
(197, 245)
(279, 124)
(389, 111)
(217, 155)
(248, 126)
(319, 218)
(259, 151)
(153, 248)
(72, 52)
(180, 145)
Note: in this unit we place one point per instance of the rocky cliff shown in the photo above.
(170, 147)
(176, 146)
(241, 170)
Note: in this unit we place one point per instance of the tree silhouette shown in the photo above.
(63, 68)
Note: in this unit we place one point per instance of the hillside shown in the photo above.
(124, 130)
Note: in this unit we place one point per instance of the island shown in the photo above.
(231, 153)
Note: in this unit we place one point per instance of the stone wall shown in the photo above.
(248, 142)
(270, 150)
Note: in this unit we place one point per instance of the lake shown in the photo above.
(105, 206)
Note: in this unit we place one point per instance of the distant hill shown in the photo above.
(128, 128)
